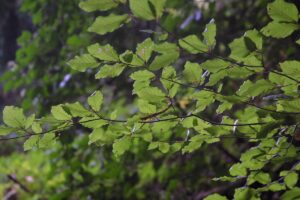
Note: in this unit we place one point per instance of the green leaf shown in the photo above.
(106, 53)
(297, 167)
(121, 146)
(140, 85)
(282, 11)
(170, 54)
(163, 147)
(29, 121)
(76, 109)
(36, 127)
(224, 106)
(158, 6)
(215, 197)
(209, 34)
(261, 177)
(275, 187)
(215, 65)
(146, 107)
(166, 47)
(255, 89)
(142, 75)
(163, 61)
(246, 193)
(151, 94)
(204, 99)
(96, 135)
(146, 172)
(141, 9)
(92, 122)
(239, 49)
(168, 74)
(110, 71)
(148, 137)
(192, 146)
(288, 105)
(114, 114)
(81, 63)
(59, 113)
(96, 100)
(292, 194)
(103, 25)
(47, 140)
(256, 37)
(93, 5)
(188, 122)
(153, 145)
(238, 170)
(192, 72)
(31, 142)
(6, 130)
(193, 45)
(131, 59)
(176, 147)
(279, 30)
(145, 49)
(291, 179)
(14, 117)
(291, 68)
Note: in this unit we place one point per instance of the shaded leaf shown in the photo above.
(103, 25)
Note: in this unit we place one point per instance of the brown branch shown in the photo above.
(22, 186)
(157, 113)
(143, 122)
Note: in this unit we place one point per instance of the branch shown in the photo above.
(226, 124)
(22, 186)
(142, 122)
(244, 102)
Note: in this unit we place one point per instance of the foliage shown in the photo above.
(178, 105)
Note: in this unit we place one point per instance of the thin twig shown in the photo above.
(22, 186)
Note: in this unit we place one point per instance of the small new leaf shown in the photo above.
(209, 34)
(95, 101)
